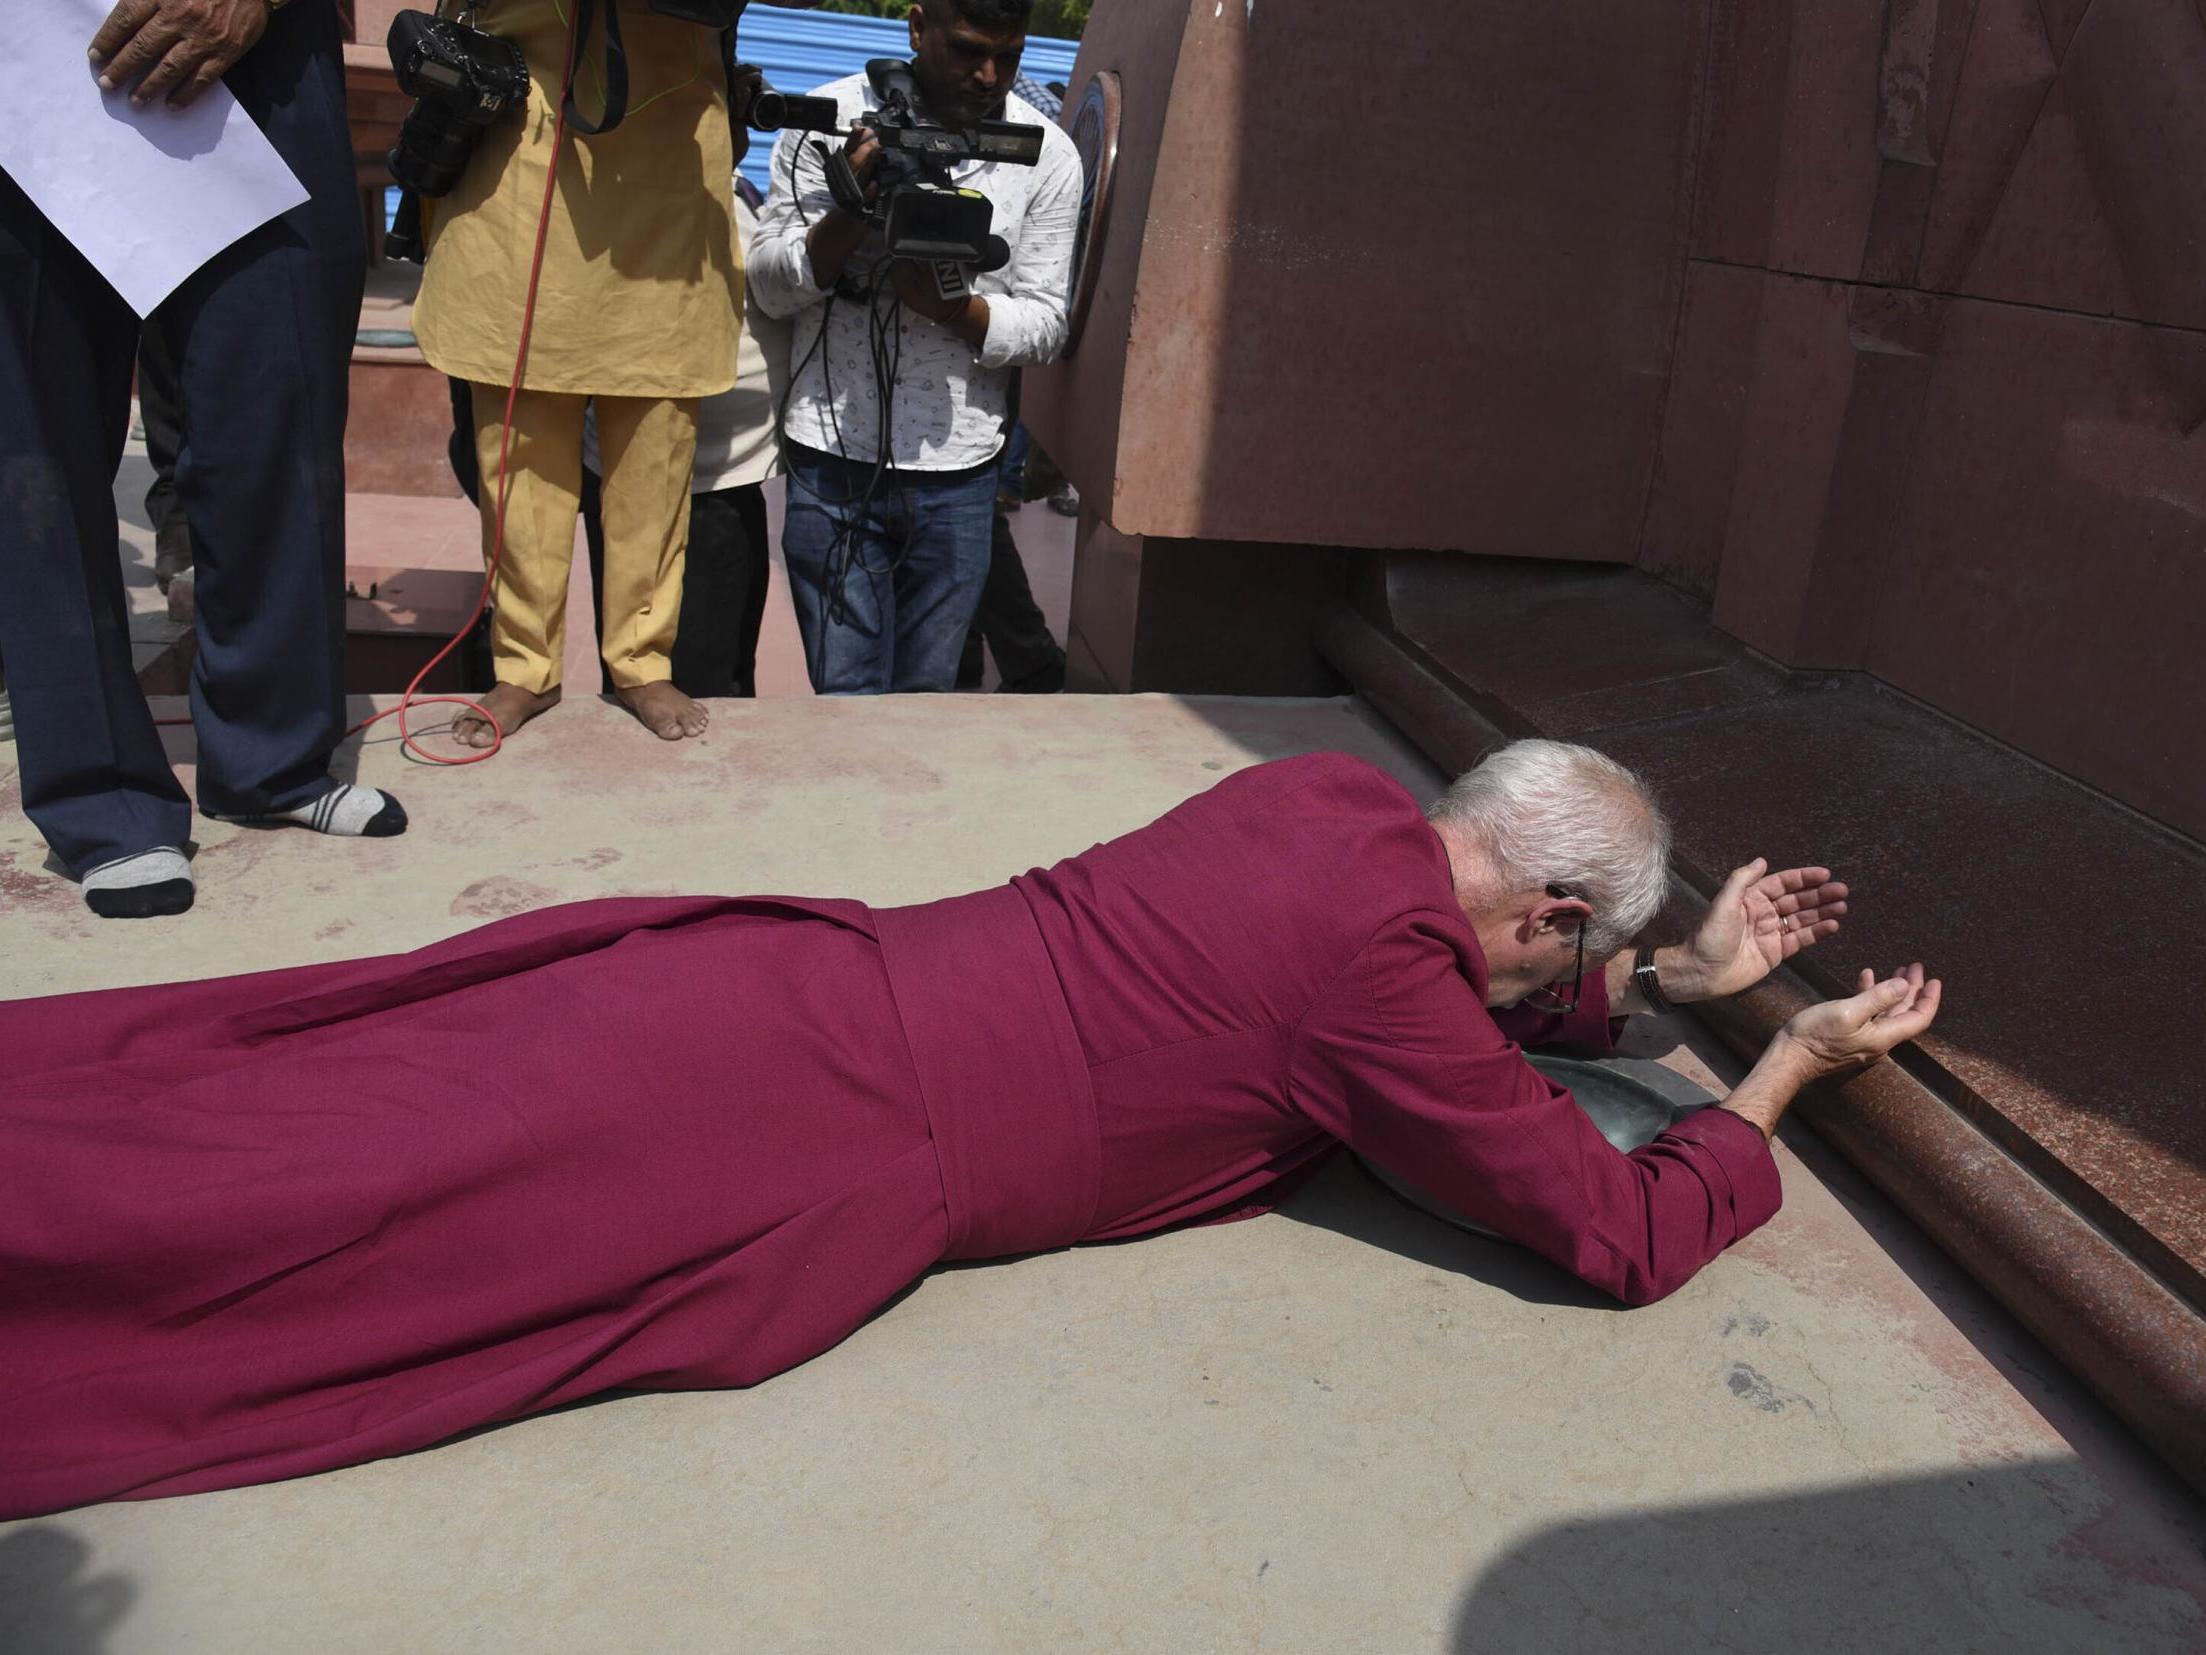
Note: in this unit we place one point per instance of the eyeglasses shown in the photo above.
(1546, 999)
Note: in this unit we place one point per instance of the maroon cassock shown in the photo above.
(267, 1225)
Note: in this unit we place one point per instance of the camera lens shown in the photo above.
(432, 151)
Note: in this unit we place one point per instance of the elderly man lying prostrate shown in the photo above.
(271, 1224)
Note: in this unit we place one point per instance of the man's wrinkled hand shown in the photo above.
(1839, 1035)
(174, 48)
(1758, 921)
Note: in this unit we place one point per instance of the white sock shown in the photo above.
(346, 810)
(141, 886)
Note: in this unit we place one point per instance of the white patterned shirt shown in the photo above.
(949, 404)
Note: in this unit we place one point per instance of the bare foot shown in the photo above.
(510, 705)
(665, 711)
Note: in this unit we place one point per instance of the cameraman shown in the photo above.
(888, 544)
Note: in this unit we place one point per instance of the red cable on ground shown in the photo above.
(411, 698)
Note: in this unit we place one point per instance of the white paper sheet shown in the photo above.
(147, 195)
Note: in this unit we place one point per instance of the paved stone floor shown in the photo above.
(1341, 1427)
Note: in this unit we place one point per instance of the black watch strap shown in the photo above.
(1648, 981)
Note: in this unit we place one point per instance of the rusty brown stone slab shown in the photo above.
(401, 418)
(1789, 168)
(1540, 277)
(1703, 428)
(2003, 81)
(2043, 583)
(1992, 506)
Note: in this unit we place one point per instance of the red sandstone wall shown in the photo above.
(1389, 274)
(371, 19)
(1938, 407)
(1082, 403)
(1881, 327)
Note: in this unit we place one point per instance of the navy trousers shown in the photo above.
(262, 341)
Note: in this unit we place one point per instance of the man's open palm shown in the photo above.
(1759, 920)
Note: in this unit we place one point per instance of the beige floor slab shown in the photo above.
(1341, 1427)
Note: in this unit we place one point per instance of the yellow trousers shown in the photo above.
(648, 447)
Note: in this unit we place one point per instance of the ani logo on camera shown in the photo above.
(1095, 135)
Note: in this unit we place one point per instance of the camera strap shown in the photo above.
(616, 70)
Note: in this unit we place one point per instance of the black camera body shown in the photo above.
(920, 213)
(462, 81)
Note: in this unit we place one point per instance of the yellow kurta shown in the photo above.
(641, 293)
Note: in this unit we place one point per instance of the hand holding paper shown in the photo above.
(147, 195)
(179, 47)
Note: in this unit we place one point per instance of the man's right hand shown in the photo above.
(836, 234)
(179, 47)
(1839, 1035)
(862, 149)
(1832, 1038)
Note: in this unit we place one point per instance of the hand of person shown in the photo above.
(1758, 921)
(839, 232)
(966, 318)
(916, 291)
(745, 82)
(176, 48)
(1838, 1035)
(863, 150)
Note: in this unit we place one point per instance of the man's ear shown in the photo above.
(1560, 914)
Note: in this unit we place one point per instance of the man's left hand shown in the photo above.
(916, 291)
(1758, 921)
(176, 48)
(745, 82)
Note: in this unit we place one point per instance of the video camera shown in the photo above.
(920, 213)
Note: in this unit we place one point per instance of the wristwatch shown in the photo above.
(1648, 982)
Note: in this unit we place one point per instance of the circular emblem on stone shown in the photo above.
(1094, 130)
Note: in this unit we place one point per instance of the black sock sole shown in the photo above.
(167, 896)
(387, 823)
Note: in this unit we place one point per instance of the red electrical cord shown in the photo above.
(411, 698)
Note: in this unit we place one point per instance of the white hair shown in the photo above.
(1551, 813)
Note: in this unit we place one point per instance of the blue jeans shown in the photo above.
(884, 603)
(1011, 473)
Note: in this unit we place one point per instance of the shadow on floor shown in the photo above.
(2017, 1559)
(1348, 1201)
(53, 1599)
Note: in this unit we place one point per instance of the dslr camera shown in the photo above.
(920, 213)
(463, 81)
